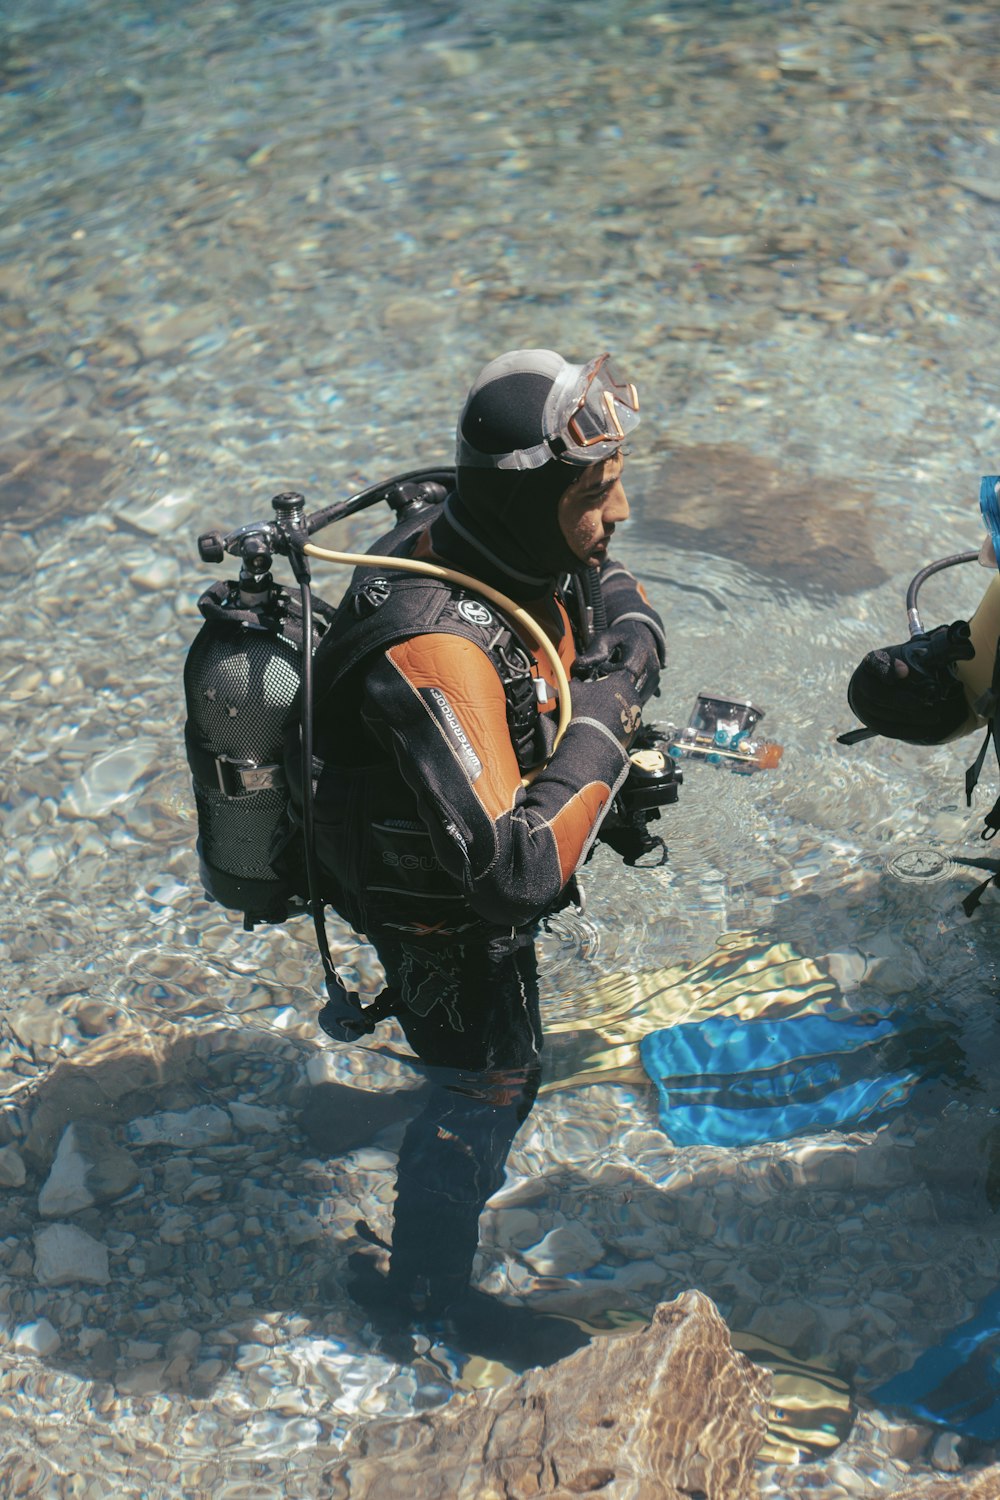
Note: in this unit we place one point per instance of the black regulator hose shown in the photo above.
(364, 498)
(594, 597)
(917, 583)
(345, 1018)
(300, 567)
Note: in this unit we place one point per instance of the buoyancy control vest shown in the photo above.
(379, 867)
(380, 609)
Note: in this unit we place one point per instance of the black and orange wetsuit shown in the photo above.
(429, 709)
(423, 822)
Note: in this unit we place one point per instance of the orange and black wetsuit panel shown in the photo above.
(437, 703)
(423, 825)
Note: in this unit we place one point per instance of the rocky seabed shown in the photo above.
(251, 247)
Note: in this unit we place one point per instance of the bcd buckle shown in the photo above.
(238, 777)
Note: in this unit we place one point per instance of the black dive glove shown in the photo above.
(613, 701)
(925, 703)
(625, 645)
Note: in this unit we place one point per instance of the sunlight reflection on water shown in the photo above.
(252, 247)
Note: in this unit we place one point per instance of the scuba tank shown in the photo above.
(246, 681)
(242, 682)
(248, 688)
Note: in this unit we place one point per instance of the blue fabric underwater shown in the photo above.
(989, 505)
(957, 1383)
(732, 1081)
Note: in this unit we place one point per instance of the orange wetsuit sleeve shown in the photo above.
(437, 703)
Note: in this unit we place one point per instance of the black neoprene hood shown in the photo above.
(512, 515)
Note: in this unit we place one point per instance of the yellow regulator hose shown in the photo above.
(463, 580)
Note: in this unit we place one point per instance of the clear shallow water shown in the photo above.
(246, 248)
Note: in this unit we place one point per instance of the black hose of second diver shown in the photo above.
(917, 583)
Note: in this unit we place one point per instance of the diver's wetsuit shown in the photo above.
(430, 843)
(423, 824)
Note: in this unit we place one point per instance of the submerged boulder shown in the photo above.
(89, 1168)
(817, 536)
(661, 1414)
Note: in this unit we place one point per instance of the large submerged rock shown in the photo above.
(809, 534)
(663, 1414)
(89, 1168)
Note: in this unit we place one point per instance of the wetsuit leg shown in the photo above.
(471, 1006)
(471, 1012)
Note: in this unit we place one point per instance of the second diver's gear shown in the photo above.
(989, 509)
(930, 701)
(924, 705)
(953, 674)
(917, 582)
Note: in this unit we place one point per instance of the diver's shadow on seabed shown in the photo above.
(170, 1202)
(186, 1194)
(237, 1187)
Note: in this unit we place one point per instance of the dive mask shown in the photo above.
(587, 414)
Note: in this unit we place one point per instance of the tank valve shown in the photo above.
(210, 547)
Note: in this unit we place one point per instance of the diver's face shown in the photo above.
(591, 508)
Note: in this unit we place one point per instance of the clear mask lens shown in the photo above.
(604, 410)
(589, 412)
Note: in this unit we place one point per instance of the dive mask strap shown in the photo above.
(588, 413)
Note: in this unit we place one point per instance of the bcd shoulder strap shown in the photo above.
(380, 609)
(991, 823)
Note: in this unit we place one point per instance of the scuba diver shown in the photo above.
(939, 686)
(459, 783)
(431, 714)
(943, 683)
